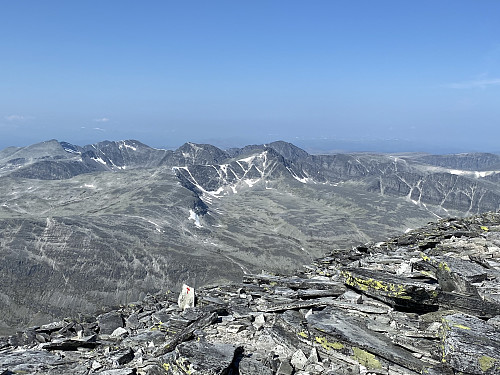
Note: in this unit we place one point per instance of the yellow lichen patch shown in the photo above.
(329, 345)
(183, 364)
(426, 273)
(425, 257)
(302, 334)
(444, 266)
(366, 359)
(485, 363)
(393, 290)
(166, 366)
(460, 326)
(484, 228)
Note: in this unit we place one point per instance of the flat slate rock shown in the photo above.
(122, 371)
(470, 345)
(200, 357)
(72, 344)
(335, 330)
(28, 361)
(392, 289)
(109, 322)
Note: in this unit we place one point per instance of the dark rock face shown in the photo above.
(470, 345)
(109, 322)
(392, 308)
(469, 161)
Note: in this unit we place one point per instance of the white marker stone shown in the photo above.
(186, 298)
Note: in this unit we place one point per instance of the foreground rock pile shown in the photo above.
(427, 302)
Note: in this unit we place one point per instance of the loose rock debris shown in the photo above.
(427, 302)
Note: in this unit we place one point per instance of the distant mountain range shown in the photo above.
(103, 224)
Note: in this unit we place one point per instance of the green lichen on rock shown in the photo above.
(469, 344)
(302, 334)
(364, 284)
(425, 257)
(486, 362)
(366, 359)
(461, 326)
(329, 345)
(444, 266)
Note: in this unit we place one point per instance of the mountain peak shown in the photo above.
(288, 150)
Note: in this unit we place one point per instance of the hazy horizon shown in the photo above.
(312, 146)
(378, 75)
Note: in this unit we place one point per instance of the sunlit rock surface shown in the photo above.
(105, 224)
(423, 302)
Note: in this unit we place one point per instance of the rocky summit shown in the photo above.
(425, 302)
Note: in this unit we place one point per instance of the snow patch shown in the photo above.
(304, 180)
(157, 227)
(251, 182)
(98, 159)
(476, 174)
(71, 151)
(129, 146)
(193, 216)
(248, 160)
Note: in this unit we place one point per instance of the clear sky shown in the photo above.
(426, 72)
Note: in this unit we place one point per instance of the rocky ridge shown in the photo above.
(458, 182)
(427, 301)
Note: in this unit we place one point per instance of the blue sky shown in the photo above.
(235, 72)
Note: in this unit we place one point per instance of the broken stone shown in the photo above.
(313, 356)
(96, 365)
(235, 328)
(285, 368)
(249, 366)
(205, 320)
(351, 296)
(28, 361)
(52, 327)
(495, 321)
(367, 326)
(146, 336)
(202, 357)
(337, 331)
(122, 357)
(72, 344)
(468, 304)
(120, 331)
(109, 322)
(394, 290)
(298, 360)
(470, 345)
(123, 371)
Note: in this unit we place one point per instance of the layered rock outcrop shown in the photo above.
(426, 302)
